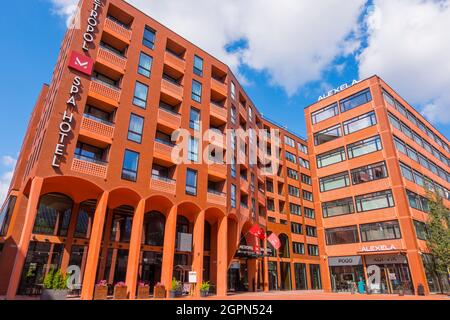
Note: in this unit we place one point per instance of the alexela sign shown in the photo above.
(338, 89)
(382, 247)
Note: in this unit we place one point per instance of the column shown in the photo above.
(222, 257)
(266, 268)
(70, 236)
(87, 291)
(169, 248)
(106, 242)
(198, 248)
(25, 237)
(135, 249)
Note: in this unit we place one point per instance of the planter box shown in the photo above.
(204, 293)
(120, 293)
(101, 293)
(48, 294)
(160, 292)
(143, 292)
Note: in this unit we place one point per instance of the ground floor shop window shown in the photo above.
(436, 283)
(273, 275)
(300, 276)
(346, 278)
(316, 282)
(116, 267)
(285, 276)
(150, 268)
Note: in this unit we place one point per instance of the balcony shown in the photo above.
(89, 166)
(169, 118)
(104, 92)
(261, 197)
(174, 61)
(97, 128)
(163, 184)
(171, 88)
(163, 151)
(242, 111)
(218, 112)
(218, 170)
(219, 87)
(244, 185)
(111, 59)
(244, 210)
(216, 197)
(117, 30)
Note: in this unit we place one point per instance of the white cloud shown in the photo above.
(293, 41)
(65, 8)
(8, 163)
(409, 47)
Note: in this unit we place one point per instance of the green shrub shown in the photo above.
(55, 280)
(48, 280)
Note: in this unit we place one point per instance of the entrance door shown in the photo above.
(273, 276)
(285, 274)
(151, 268)
(395, 277)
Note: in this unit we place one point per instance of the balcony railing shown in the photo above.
(164, 184)
(169, 118)
(105, 89)
(90, 166)
(172, 88)
(216, 197)
(218, 111)
(118, 28)
(219, 86)
(97, 126)
(175, 61)
(112, 57)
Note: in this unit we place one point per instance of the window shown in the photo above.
(292, 174)
(331, 157)
(314, 273)
(355, 100)
(291, 157)
(294, 191)
(89, 153)
(380, 231)
(233, 196)
(198, 66)
(306, 179)
(309, 213)
(307, 195)
(191, 182)
(394, 121)
(196, 91)
(360, 123)
(325, 113)
(374, 201)
(388, 98)
(145, 65)
(149, 37)
(233, 168)
(194, 120)
(421, 230)
(130, 165)
(140, 95)
(399, 145)
(337, 181)
(311, 231)
(298, 248)
(233, 91)
(363, 147)
(406, 172)
(369, 173)
(193, 149)
(290, 142)
(412, 154)
(342, 235)
(304, 163)
(327, 135)
(6, 213)
(313, 250)
(417, 201)
(295, 209)
(296, 228)
(135, 128)
(303, 148)
(233, 114)
(338, 207)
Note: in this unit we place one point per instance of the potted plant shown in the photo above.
(159, 291)
(204, 289)
(120, 291)
(176, 289)
(143, 290)
(101, 290)
(55, 286)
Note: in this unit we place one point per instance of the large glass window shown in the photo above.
(194, 121)
(369, 173)
(130, 165)
(406, 172)
(193, 149)
(298, 248)
(363, 147)
(327, 135)
(338, 207)
(300, 276)
(296, 228)
(325, 113)
(331, 157)
(53, 215)
(154, 227)
(140, 95)
(421, 230)
(5, 215)
(417, 201)
(145, 65)
(149, 37)
(198, 66)
(374, 201)
(380, 231)
(313, 250)
(191, 182)
(355, 100)
(291, 157)
(342, 235)
(360, 123)
(233, 196)
(337, 181)
(89, 153)
(316, 280)
(196, 91)
(135, 128)
(122, 224)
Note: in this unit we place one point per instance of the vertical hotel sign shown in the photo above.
(83, 64)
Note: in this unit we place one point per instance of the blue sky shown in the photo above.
(309, 48)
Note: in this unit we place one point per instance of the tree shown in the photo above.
(438, 236)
